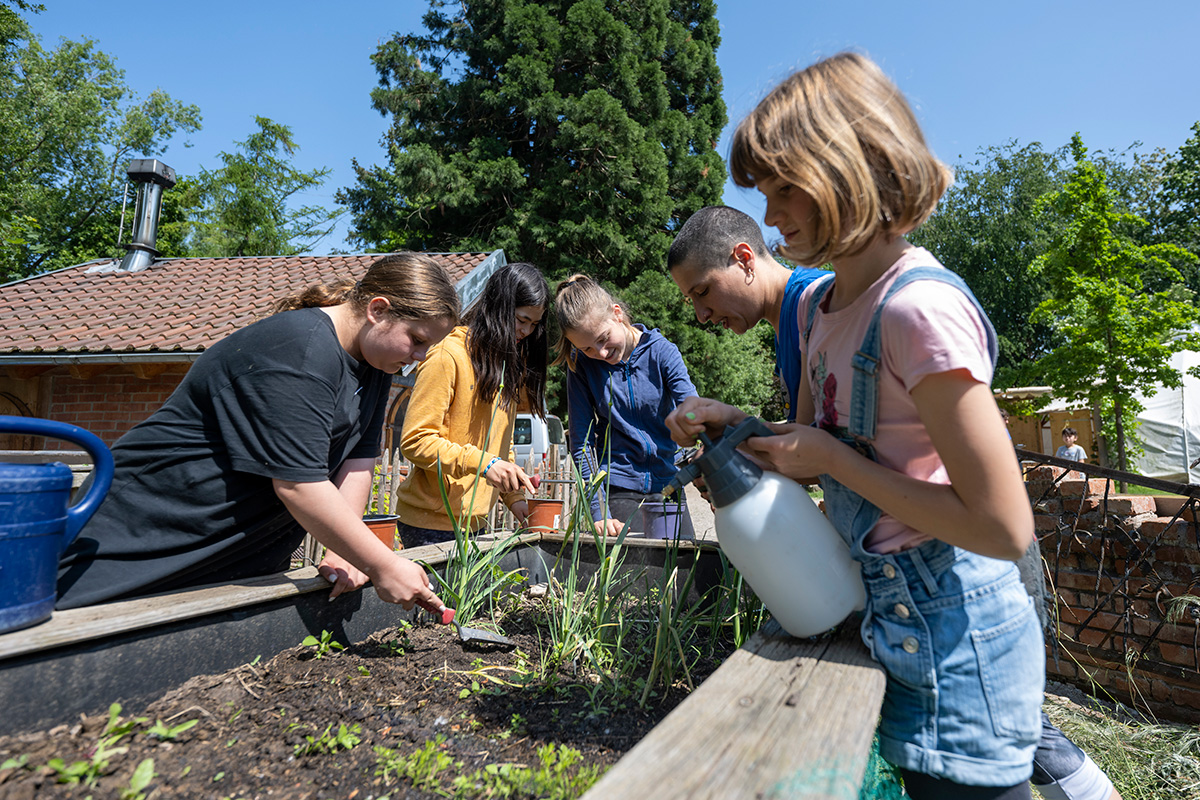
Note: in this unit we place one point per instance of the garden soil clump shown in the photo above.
(400, 715)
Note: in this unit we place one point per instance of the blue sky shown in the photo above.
(977, 74)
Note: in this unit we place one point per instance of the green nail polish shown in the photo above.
(690, 415)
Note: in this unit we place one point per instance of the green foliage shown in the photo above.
(324, 645)
(166, 733)
(89, 772)
(242, 208)
(1112, 337)
(571, 134)
(558, 775)
(574, 134)
(1181, 200)
(346, 738)
(142, 777)
(68, 126)
(988, 230)
(421, 767)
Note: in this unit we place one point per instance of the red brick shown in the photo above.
(1051, 505)
(1121, 505)
(1045, 522)
(1075, 485)
(1181, 656)
(1160, 529)
(1185, 697)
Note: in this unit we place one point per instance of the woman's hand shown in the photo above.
(520, 510)
(402, 582)
(344, 576)
(508, 477)
(799, 452)
(609, 527)
(697, 415)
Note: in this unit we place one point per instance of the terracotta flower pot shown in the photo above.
(384, 527)
(545, 514)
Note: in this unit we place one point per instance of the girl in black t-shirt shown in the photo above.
(274, 431)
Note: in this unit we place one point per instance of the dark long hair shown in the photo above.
(503, 366)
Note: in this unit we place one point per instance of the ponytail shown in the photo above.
(577, 301)
(416, 286)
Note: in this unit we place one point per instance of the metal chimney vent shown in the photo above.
(152, 176)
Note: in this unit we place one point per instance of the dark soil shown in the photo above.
(398, 690)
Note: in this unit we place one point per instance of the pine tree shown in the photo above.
(575, 135)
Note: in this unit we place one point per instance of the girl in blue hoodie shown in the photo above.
(622, 381)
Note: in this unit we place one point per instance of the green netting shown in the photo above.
(882, 780)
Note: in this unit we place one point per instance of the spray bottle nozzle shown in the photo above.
(726, 471)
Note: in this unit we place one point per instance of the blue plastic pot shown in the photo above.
(36, 524)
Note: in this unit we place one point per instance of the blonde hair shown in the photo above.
(416, 286)
(841, 132)
(577, 301)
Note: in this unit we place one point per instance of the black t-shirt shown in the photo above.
(192, 500)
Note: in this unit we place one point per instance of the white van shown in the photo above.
(532, 438)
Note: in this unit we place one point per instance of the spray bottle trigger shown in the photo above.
(747, 428)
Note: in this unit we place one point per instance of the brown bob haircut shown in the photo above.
(841, 132)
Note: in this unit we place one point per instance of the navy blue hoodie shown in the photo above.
(617, 413)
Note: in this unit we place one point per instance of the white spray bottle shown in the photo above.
(789, 553)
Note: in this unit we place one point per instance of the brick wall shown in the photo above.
(108, 404)
(1113, 564)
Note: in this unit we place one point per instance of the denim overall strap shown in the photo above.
(820, 287)
(864, 393)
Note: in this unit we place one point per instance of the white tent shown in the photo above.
(1170, 427)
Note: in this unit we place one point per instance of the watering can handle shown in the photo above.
(82, 511)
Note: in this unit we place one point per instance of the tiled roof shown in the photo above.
(175, 305)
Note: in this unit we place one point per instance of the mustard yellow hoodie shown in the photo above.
(447, 422)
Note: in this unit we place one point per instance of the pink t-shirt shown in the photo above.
(926, 328)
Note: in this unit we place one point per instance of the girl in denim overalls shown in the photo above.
(917, 469)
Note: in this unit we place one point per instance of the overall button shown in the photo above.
(901, 610)
(910, 644)
(889, 571)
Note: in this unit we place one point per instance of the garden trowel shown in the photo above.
(466, 634)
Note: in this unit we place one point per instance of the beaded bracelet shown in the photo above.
(489, 466)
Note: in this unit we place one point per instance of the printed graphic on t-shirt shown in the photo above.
(826, 384)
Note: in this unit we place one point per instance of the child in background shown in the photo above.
(898, 361)
(622, 381)
(1070, 450)
(464, 403)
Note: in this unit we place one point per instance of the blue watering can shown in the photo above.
(36, 524)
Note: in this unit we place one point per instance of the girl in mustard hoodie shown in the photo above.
(467, 395)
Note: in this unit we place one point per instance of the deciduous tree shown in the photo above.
(243, 208)
(1112, 338)
(68, 126)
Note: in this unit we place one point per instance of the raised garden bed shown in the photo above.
(408, 711)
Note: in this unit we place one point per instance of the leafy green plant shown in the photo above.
(401, 644)
(421, 767)
(162, 731)
(20, 762)
(324, 645)
(558, 775)
(88, 772)
(142, 777)
(346, 738)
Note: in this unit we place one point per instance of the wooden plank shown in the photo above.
(94, 622)
(783, 717)
(80, 457)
